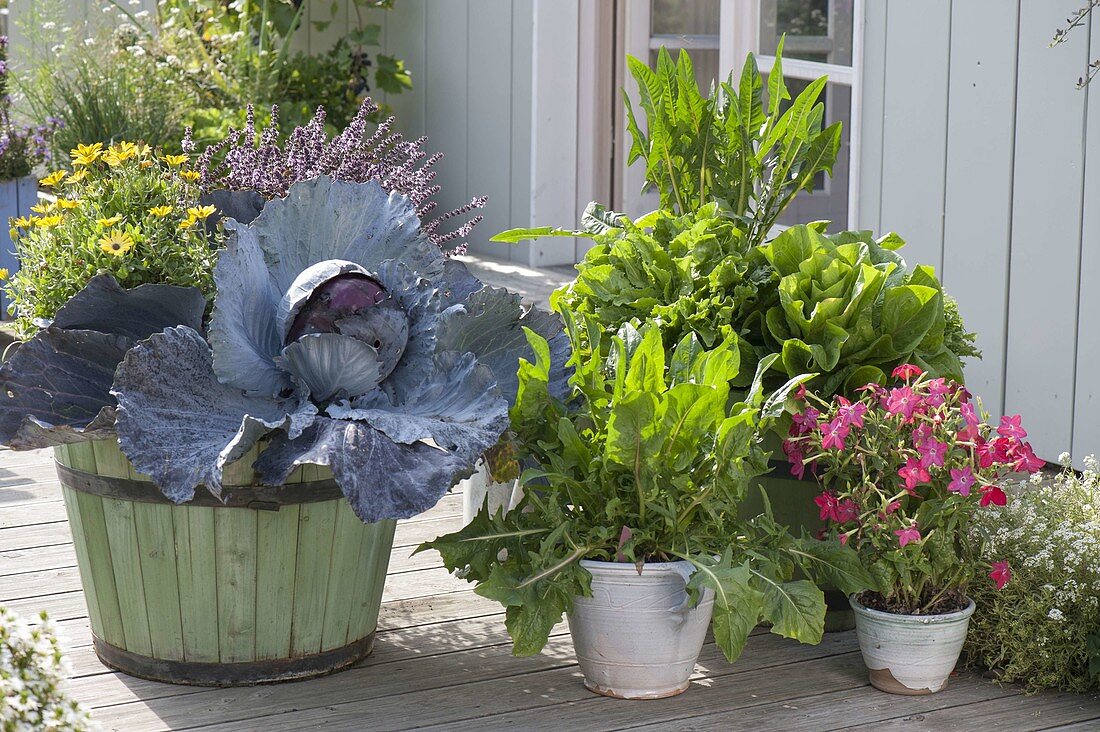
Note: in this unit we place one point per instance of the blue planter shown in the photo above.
(16, 199)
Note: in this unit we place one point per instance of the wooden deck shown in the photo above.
(442, 661)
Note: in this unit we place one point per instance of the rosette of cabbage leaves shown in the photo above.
(56, 387)
(344, 335)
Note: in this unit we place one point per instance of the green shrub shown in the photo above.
(1043, 628)
(102, 85)
(123, 211)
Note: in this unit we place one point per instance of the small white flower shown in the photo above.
(1056, 615)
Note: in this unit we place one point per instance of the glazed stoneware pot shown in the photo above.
(638, 636)
(910, 654)
(275, 584)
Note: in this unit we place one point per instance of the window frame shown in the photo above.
(738, 35)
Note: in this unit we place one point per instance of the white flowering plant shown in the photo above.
(1043, 629)
(32, 672)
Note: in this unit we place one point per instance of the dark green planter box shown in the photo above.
(279, 585)
(792, 502)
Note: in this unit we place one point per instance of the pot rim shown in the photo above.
(607, 567)
(952, 617)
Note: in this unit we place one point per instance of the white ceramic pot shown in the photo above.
(910, 654)
(479, 485)
(638, 636)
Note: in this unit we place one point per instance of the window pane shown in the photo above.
(817, 30)
(829, 199)
(704, 60)
(684, 17)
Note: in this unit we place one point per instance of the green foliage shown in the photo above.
(844, 306)
(850, 309)
(648, 461)
(123, 211)
(735, 146)
(139, 76)
(1043, 628)
(101, 84)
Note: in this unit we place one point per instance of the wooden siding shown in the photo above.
(977, 149)
(473, 63)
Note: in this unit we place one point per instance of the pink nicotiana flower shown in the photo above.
(961, 480)
(907, 535)
(892, 506)
(992, 495)
(902, 400)
(1010, 427)
(938, 389)
(969, 415)
(1000, 574)
(984, 451)
(932, 452)
(1003, 450)
(833, 434)
(806, 421)
(1026, 461)
(873, 388)
(794, 454)
(800, 393)
(851, 414)
(914, 474)
(907, 371)
(826, 505)
(846, 511)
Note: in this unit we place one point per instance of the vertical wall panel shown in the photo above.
(978, 200)
(523, 23)
(915, 126)
(405, 28)
(446, 99)
(873, 93)
(489, 118)
(554, 127)
(1086, 424)
(1046, 228)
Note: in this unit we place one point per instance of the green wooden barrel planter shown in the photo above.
(792, 502)
(273, 585)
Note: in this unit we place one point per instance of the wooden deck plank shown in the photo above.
(1017, 713)
(829, 710)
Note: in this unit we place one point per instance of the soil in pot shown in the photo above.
(910, 654)
(638, 636)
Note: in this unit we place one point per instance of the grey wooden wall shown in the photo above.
(979, 151)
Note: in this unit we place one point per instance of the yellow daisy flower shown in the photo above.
(189, 175)
(188, 222)
(53, 178)
(4, 273)
(145, 164)
(143, 150)
(65, 204)
(160, 211)
(200, 212)
(86, 154)
(47, 222)
(116, 243)
(44, 207)
(175, 160)
(77, 176)
(109, 221)
(23, 222)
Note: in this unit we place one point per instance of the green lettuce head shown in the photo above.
(851, 310)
